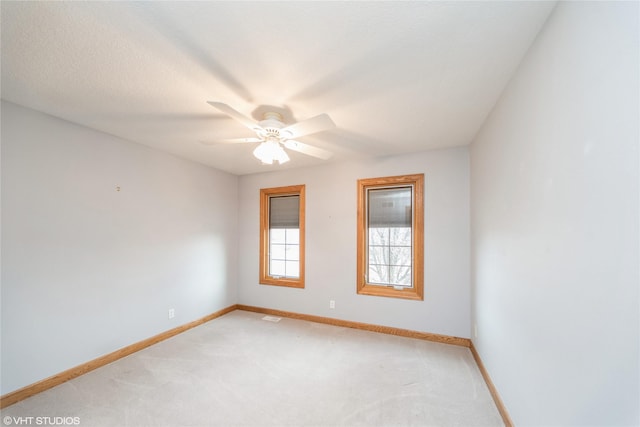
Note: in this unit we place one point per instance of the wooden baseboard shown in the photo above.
(492, 389)
(446, 339)
(40, 386)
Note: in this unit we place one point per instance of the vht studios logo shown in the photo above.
(41, 421)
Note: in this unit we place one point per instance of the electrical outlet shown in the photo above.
(332, 304)
(172, 313)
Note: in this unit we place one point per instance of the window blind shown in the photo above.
(284, 212)
(389, 207)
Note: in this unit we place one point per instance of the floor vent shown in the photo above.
(271, 319)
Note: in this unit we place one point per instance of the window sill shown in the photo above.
(390, 292)
(290, 283)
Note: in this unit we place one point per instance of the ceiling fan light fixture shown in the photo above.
(270, 150)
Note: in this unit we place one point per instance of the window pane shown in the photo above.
(285, 252)
(278, 252)
(400, 256)
(379, 236)
(378, 273)
(378, 255)
(390, 239)
(400, 236)
(293, 268)
(277, 268)
(293, 235)
(292, 252)
(277, 235)
(400, 276)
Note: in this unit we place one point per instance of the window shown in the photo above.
(390, 236)
(282, 236)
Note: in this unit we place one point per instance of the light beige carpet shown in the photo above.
(241, 370)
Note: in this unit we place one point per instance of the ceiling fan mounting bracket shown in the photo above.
(270, 115)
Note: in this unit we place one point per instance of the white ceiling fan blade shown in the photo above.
(309, 126)
(231, 141)
(236, 115)
(239, 140)
(308, 149)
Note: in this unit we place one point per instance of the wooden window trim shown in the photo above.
(265, 194)
(416, 292)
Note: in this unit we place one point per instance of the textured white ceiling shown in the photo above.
(395, 77)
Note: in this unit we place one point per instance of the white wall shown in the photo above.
(87, 270)
(331, 243)
(555, 184)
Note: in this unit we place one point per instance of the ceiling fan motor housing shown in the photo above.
(271, 126)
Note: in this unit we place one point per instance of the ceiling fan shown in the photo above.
(273, 134)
